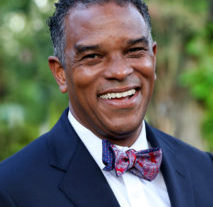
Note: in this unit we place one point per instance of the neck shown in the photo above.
(126, 140)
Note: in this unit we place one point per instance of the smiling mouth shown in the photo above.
(124, 94)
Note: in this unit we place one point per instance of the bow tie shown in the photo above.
(145, 163)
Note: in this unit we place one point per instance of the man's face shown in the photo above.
(110, 69)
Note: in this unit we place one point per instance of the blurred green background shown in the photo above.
(182, 105)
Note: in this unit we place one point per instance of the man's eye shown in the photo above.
(136, 49)
(91, 56)
(136, 52)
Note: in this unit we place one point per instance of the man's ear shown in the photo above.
(154, 50)
(58, 72)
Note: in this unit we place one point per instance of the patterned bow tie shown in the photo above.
(145, 163)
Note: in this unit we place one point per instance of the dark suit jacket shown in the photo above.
(56, 170)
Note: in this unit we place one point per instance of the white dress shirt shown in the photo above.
(130, 190)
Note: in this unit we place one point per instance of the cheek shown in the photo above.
(145, 69)
(148, 67)
(85, 77)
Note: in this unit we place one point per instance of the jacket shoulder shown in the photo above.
(24, 162)
(184, 151)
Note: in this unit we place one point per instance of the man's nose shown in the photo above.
(118, 69)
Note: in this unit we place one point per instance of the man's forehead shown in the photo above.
(100, 8)
(104, 15)
(105, 25)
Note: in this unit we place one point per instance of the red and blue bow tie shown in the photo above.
(145, 163)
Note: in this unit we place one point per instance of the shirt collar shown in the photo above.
(94, 143)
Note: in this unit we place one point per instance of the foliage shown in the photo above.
(199, 77)
(29, 99)
(176, 24)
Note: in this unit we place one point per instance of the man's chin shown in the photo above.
(124, 136)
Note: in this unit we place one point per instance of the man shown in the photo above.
(105, 60)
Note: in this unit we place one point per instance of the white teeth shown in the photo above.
(118, 95)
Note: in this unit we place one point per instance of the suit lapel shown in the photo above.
(83, 182)
(176, 176)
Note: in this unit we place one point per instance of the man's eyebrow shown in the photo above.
(83, 48)
(143, 40)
